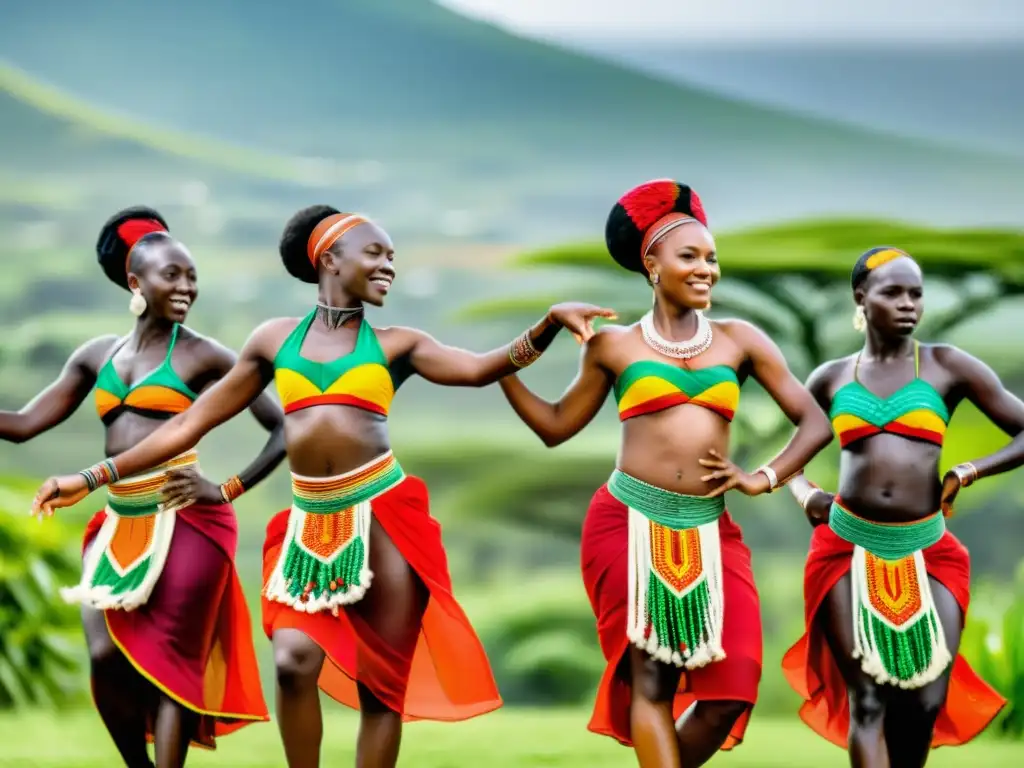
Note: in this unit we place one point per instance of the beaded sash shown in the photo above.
(128, 554)
(898, 636)
(676, 602)
(324, 561)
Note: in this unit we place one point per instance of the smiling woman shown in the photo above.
(165, 619)
(664, 564)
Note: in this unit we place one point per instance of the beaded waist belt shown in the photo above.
(324, 559)
(667, 508)
(889, 541)
(676, 601)
(127, 556)
(139, 495)
(898, 636)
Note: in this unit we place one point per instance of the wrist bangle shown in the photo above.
(966, 473)
(100, 474)
(521, 351)
(773, 479)
(802, 501)
(231, 489)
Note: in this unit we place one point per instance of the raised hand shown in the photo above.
(578, 318)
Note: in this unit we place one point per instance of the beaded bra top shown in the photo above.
(649, 386)
(915, 410)
(160, 394)
(361, 379)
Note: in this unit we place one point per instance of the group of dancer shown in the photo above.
(357, 597)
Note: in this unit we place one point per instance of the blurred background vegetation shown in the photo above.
(496, 203)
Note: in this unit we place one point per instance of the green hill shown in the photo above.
(453, 127)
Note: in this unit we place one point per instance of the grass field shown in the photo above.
(508, 738)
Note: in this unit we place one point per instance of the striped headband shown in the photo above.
(329, 231)
(662, 227)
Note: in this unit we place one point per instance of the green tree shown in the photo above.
(40, 652)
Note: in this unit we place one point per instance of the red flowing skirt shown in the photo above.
(605, 567)
(448, 677)
(811, 670)
(193, 638)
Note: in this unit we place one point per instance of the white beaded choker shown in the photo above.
(682, 350)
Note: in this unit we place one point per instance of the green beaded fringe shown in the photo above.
(307, 577)
(905, 654)
(680, 623)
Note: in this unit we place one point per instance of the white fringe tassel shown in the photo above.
(640, 573)
(101, 597)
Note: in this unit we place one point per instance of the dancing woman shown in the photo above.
(665, 566)
(886, 586)
(168, 630)
(355, 573)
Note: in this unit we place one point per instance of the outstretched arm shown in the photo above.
(225, 399)
(187, 485)
(813, 431)
(59, 400)
(554, 423)
(454, 367)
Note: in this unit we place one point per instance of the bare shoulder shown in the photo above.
(398, 340)
(957, 363)
(743, 332)
(826, 375)
(94, 353)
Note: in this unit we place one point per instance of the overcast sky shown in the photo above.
(723, 20)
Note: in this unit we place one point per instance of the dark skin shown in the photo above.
(332, 439)
(894, 479)
(681, 449)
(165, 274)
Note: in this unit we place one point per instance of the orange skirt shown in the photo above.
(605, 567)
(811, 670)
(448, 678)
(193, 638)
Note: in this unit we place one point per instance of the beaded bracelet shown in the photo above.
(100, 474)
(521, 351)
(231, 489)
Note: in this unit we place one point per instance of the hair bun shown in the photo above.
(120, 233)
(638, 210)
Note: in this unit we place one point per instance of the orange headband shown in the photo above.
(884, 257)
(329, 231)
(662, 227)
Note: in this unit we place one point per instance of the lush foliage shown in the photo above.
(993, 641)
(39, 643)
